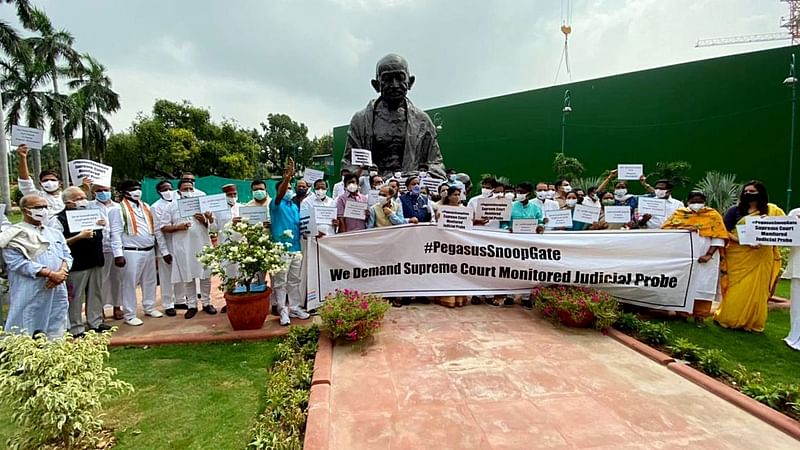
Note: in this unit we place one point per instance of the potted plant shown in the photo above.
(351, 315)
(245, 252)
(576, 306)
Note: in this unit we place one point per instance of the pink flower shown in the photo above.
(339, 321)
(352, 335)
(365, 305)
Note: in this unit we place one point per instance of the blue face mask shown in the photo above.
(103, 196)
(416, 189)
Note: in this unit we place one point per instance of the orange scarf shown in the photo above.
(129, 217)
(708, 222)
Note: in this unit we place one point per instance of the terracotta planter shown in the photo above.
(248, 311)
(565, 318)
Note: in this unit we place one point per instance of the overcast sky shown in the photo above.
(313, 59)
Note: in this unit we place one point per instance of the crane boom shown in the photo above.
(743, 39)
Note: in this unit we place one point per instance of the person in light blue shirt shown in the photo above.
(387, 211)
(38, 262)
(523, 208)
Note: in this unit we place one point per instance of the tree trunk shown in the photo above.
(37, 166)
(5, 188)
(84, 143)
(62, 142)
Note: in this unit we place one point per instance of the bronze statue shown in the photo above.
(400, 136)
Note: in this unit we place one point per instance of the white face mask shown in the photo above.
(696, 206)
(372, 173)
(398, 175)
(551, 194)
(352, 188)
(619, 193)
(567, 188)
(232, 200)
(135, 195)
(39, 214)
(486, 192)
(509, 195)
(521, 197)
(321, 193)
(168, 196)
(50, 186)
(661, 193)
(81, 204)
(572, 202)
(423, 174)
(382, 199)
(541, 195)
(498, 195)
(452, 177)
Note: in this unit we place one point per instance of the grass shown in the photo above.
(763, 352)
(187, 396)
(783, 289)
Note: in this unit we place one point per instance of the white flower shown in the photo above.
(288, 234)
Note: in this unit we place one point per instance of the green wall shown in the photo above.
(730, 114)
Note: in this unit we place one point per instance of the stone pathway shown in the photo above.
(502, 378)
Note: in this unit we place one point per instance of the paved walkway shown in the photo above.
(497, 378)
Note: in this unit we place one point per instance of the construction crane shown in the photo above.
(791, 23)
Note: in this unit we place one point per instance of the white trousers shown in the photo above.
(139, 271)
(108, 287)
(190, 291)
(304, 274)
(169, 297)
(82, 286)
(287, 283)
(793, 340)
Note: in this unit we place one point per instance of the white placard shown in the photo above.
(253, 214)
(306, 227)
(83, 219)
(455, 218)
(82, 168)
(656, 207)
(372, 197)
(586, 214)
(189, 206)
(617, 214)
(774, 230)
(355, 210)
(494, 208)
(559, 218)
(432, 184)
(324, 215)
(32, 137)
(213, 203)
(744, 238)
(524, 225)
(630, 171)
(312, 175)
(360, 157)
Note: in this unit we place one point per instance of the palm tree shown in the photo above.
(51, 47)
(94, 98)
(93, 125)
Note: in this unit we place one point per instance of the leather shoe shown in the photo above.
(181, 306)
(190, 312)
(170, 312)
(118, 314)
(209, 309)
(102, 328)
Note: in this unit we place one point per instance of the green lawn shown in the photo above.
(763, 352)
(783, 289)
(187, 396)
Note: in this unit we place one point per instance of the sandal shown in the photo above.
(118, 314)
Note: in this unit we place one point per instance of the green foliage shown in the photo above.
(586, 182)
(54, 389)
(352, 315)
(283, 138)
(721, 190)
(567, 167)
(628, 323)
(711, 361)
(322, 145)
(581, 304)
(282, 424)
(785, 252)
(655, 333)
(676, 171)
(684, 349)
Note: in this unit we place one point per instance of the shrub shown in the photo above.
(684, 349)
(567, 167)
(352, 315)
(721, 190)
(785, 251)
(711, 361)
(672, 170)
(586, 182)
(53, 389)
(581, 305)
(628, 323)
(655, 333)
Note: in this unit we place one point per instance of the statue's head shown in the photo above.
(392, 79)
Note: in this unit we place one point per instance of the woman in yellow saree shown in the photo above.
(753, 270)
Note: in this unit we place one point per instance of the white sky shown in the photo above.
(313, 59)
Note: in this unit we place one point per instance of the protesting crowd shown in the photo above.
(62, 279)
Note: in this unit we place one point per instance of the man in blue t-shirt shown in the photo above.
(285, 216)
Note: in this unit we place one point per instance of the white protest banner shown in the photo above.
(306, 227)
(432, 184)
(83, 168)
(617, 214)
(83, 219)
(32, 137)
(213, 203)
(423, 260)
(524, 225)
(253, 214)
(656, 207)
(372, 197)
(455, 217)
(558, 218)
(189, 206)
(355, 210)
(774, 230)
(586, 214)
(2, 209)
(630, 171)
(312, 175)
(360, 157)
(494, 208)
(324, 215)
(744, 237)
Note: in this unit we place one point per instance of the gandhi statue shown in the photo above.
(400, 136)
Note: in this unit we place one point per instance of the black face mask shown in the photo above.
(301, 192)
(750, 197)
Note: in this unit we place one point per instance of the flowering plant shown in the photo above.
(352, 315)
(576, 306)
(247, 250)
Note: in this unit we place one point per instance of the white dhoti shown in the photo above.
(186, 267)
(169, 297)
(139, 270)
(287, 283)
(107, 284)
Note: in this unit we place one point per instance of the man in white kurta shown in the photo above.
(189, 237)
(138, 256)
(161, 215)
(107, 286)
(792, 273)
(48, 179)
(317, 199)
(38, 261)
